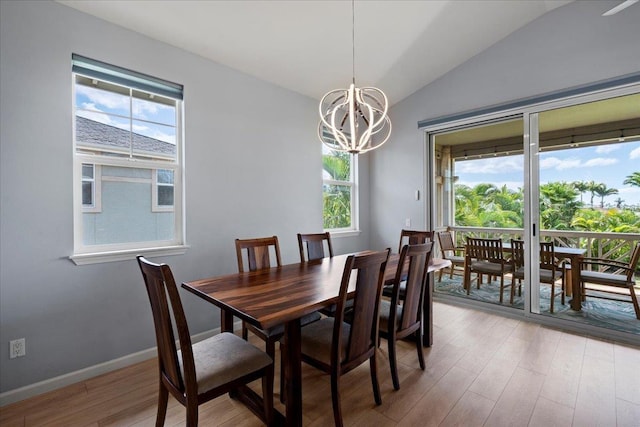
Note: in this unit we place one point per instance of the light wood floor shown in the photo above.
(482, 370)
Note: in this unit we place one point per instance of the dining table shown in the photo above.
(282, 295)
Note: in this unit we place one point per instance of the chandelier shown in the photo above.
(354, 120)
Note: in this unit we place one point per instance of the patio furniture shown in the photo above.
(610, 274)
(485, 256)
(551, 270)
(450, 251)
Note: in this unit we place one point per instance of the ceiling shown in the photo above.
(305, 46)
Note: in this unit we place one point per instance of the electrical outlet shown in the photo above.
(17, 348)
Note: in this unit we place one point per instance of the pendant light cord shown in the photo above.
(353, 40)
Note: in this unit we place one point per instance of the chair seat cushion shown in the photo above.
(385, 315)
(455, 259)
(547, 277)
(317, 339)
(604, 278)
(224, 358)
(278, 331)
(331, 310)
(486, 267)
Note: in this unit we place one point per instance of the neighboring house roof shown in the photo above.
(92, 133)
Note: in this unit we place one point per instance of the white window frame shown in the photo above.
(155, 207)
(96, 189)
(90, 254)
(354, 229)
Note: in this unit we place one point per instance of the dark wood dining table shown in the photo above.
(282, 296)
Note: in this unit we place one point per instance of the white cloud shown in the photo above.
(600, 161)
(559, 164)
(511, 185)
(604, 149)
(491, 166)
(635, 154)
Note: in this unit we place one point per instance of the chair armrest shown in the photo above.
(605, 262)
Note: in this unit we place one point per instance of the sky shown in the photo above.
(609, 164)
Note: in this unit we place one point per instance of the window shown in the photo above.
(339, 190)
(128, 163)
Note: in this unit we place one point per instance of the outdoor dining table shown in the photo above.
(282, 296)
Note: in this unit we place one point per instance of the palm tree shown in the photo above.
(592, 186)
(619, 202)
(633, 179)
(603, 191)
(582, 187)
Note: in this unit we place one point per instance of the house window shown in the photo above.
(128, 163)
(339, 190)
(91, 200)
(163, 190)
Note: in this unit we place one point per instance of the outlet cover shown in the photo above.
(17, 348)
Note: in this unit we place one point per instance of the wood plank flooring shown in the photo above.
(482, 370)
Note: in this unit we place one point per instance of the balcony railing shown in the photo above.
(615, 246)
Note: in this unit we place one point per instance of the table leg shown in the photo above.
(226, 321)
(576, 302)
(293, 373)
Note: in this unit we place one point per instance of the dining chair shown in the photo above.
(257, 251)
(337, 347)
(610, 274)
(315, 244)
(197, 373)
(485, 256)
(450, 251)
(402, 317)
(551, 269)
(414, 237)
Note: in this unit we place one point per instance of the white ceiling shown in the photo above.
(305, 46)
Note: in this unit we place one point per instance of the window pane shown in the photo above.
(93, 97)
(156, 109)
(154, 141)
(165, 176)
(87, 193)
(337, 206)
(87, 171)
(165, 195)
(336, 166)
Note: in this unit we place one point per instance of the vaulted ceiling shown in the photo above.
(306, 46)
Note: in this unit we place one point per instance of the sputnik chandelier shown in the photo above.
(354, 120)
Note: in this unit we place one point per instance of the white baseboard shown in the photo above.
(35, 389)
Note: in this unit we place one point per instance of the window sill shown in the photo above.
(344, 233)
(125, 255)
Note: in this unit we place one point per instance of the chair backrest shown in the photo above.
(517, 251)
(415, 271)
(315, 246)
(414, 237)
(160, 283)
(548, 259)
(484, 249)
(445, 238)
(633, 262)
(257, 252)
(362, 340)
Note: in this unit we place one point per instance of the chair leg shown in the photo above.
(335, 398)
(192, 412)
(564, 290)
(501, 288)
(283, 379)
(634, 299)
(267, 395)
(393, 364)
(163, 398)
(419, 348)
(513, 289)
(374, 379)
(553, 296)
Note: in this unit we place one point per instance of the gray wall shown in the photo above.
(570, 46)
(247, 175)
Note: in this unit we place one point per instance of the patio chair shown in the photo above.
(485, 256)
(551, 270)
(450, 251)
(610, 274)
